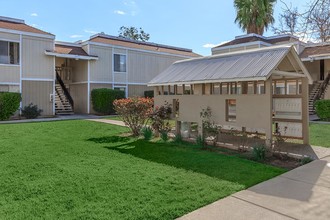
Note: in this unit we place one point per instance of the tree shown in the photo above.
(254, 16)
(133, 33)
(312, 23)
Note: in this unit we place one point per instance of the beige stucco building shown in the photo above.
(59, 76)
(255, 90)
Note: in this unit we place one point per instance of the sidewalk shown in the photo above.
(302, 193)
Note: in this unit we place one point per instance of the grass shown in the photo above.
(87, 170)
(320, 134)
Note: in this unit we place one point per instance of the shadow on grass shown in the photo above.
(193, 159)
(109, 139)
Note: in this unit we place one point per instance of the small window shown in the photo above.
(119, 62)
(231, 110)
(216, 88)
(291, 87)
(233, 89)
(261, 88)
(187, 89)
(250, 88)
(9, 52)
(280, 88)
(179, 89)
(224, 88)
(299, 86)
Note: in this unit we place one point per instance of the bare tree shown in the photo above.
(312, 23)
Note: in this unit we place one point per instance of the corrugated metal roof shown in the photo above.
(238, 66)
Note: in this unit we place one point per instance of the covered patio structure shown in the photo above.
(262, 91)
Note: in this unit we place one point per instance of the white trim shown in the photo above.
(111, 82)
(13, 65)
(219, 48)
(88, 83)
(112, 67)
(288, 74)
(317, 57)
(71, 56)
(10, 40)
(37, 79)
(210, 81)
(9, 84)
(27, 33)
(20, 71)
(134, 49)
(78, 83)
(54, 83)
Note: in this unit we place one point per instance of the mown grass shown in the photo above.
(319, 134)
(88, 170)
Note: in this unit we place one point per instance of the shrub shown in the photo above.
(31, 111)
(160, 117)
(259, 152)
(149, 94)
(147, 133)
(135, 112)
(200, 141)
(178, 138)
(305, 160)
(9, 104)
(102, 100)
(322, 108)
(164, 136)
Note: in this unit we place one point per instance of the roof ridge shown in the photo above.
(102, 35)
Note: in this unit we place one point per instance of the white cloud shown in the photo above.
(76, 36)
(208, 45)
(119, 12)
(34, 15)
(90, 31)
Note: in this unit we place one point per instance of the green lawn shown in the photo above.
(320, 134)
(85, 170)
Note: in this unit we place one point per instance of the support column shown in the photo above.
(269, 122)
(177, 127)
(304, 111)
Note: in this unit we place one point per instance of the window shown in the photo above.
(119, 61)
(9, 52)
(261, 88)
(224, 88)
(216, 88)
(291, 87)
(250, 88)
(120, 88)
(231, 110)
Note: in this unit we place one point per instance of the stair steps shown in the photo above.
(62, 105)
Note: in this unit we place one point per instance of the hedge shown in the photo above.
(102, 100)
(149, 94)
(9, 104)
(322, 108)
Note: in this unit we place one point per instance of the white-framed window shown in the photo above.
(9, 52)
(119, 63)
(121, 88)
(231, 110)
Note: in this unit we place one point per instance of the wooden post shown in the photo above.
(304, 111)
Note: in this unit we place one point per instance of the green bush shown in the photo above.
(322, 108)
(31, 111)
(149, 94)
(147, 133)
(200, 141)
(9, 104)
(259, 152)
(178, 139)
(305, 160)
(164, 136)
(102, 100)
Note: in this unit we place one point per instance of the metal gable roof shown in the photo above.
(238, 66)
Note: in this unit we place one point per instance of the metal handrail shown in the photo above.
(322, 88)
(65, 90)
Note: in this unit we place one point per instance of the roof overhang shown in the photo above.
(211, 81)
(70, 56)
(317, 57)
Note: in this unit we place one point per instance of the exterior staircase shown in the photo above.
(62, 104)
(312, 96)
(317, 92)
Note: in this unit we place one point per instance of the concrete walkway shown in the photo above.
(108, 121)
(302, 193)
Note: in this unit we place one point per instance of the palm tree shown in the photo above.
(254, 16)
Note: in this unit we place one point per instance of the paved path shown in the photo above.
(108, 121)
(302, 193)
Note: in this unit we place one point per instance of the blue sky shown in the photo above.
(194, 24)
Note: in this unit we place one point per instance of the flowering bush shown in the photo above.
(135, 112)
(160, 118)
